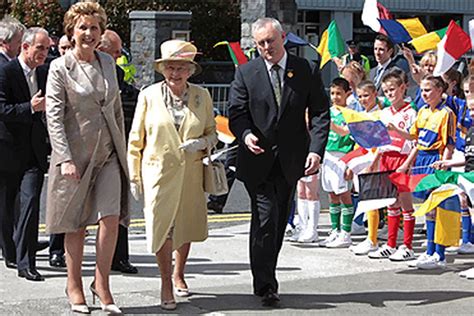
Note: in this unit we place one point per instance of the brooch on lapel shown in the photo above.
(289, 73)
(198, 100)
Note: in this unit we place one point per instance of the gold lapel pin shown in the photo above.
(290, 74)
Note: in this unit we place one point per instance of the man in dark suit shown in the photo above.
(269, 99)
(111, 43)
(384, 55)
(11, 32)
(24, 148)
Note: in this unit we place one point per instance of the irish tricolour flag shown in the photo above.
(454, 44)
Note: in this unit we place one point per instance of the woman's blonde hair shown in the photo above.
(83, 9)
(429, 57)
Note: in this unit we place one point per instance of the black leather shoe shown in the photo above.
(10, 264)
(124, 266)
(30, 274)
(216, 207)
(271, 299)
(42, 245)
(57, 261)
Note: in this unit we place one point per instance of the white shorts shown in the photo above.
(332, 173)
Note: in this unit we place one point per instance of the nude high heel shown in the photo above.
(108, 308)
(78, 308)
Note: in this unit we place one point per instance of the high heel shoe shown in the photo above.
(78, 308)
(181, 292)
(168, 305)
(108, 308)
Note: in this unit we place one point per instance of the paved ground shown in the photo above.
(312, 280)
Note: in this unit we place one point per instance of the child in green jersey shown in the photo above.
(332, 173)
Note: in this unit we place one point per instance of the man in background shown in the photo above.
(111, 43)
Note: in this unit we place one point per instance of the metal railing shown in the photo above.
(220, 96)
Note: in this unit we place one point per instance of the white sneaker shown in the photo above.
(466, 248)
(363, 247)
(357, 229)
(293, 235)
(332, 236)
(403, 253)
(383, 252)
(470, 274)
(308, 236)
(431, 263)
(343, 240)
(464, 273)
(424, 256)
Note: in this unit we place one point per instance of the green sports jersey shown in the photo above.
(337, 142)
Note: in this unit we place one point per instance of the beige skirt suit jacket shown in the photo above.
(172, 178)
(85, 126)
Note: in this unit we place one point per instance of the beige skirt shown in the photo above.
(104, 195)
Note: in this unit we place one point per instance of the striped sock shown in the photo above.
(335, 213)
(347, 215)
(440, 250)
(408, 228)
(393, 224)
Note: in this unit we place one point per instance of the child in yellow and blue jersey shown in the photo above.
(435, 133)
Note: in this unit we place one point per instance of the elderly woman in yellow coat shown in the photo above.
(172, 128)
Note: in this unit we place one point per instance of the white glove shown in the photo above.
(194, 145)
(136, 189)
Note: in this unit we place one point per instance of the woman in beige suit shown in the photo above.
(88, 173)
(172, 128)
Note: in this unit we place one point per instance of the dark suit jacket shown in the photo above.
(23, 135)
(396, 62)
(283, 132)
(3, 59)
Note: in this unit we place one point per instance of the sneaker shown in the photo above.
(452, 249)
(308, 236)
(470, 274)
(343, 240)
(466, 248)
(383, 252)
(332, 236)
(403, 253)
(464, 273)
(363, 248)
(293, 235)
(432, 263)
(424, 256)
(357, 229)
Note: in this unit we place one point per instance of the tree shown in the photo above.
(212, 20)
(46, 13)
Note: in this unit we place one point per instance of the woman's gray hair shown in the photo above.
(262, 22)
(9, 27)
(30, 34)
(192, 67)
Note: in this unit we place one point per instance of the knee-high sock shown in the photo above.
(302, 209)
(393, 224)
(347, 211)
(430, 232)
(373, 225)
(466, 224)
(335, 212)
(314, 208)
(440, 250)
(408, 228)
